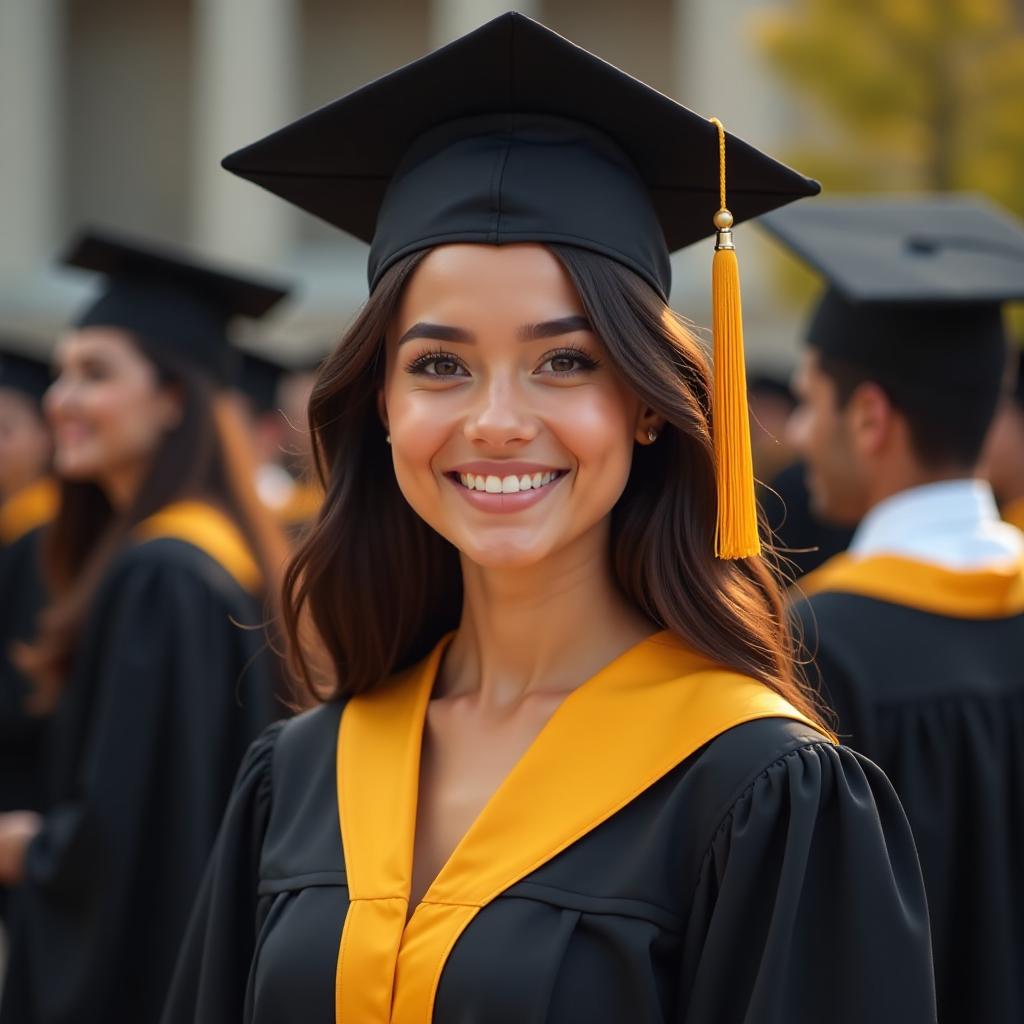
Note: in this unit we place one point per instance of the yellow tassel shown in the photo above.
(736, 532)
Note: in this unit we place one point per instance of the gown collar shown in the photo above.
(608, 741)
(996, 592)
(209, 529)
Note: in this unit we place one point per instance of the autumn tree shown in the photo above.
(906, 94)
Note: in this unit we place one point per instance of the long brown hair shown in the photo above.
(205, 457)
(379, 587)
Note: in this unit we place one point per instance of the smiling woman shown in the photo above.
(564, 769)
(158, 551)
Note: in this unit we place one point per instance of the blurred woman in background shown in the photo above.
(160, 554)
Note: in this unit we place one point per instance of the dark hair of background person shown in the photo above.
(207, 457)
(372, 588)
(947, 426)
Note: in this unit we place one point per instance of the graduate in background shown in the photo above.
(918, 631)
(275, 397)
(28, 500)
(564, 769)
(804, 542)
(1003, 461)
(158, 559)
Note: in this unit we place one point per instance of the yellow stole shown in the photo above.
(210, 530)
(610, 739)
(992, 593)
(32, 506)
(1013, 512)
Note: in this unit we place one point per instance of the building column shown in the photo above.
(450, 19)
(30, 130)
(245, 86)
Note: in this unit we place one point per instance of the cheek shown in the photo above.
(596, 425)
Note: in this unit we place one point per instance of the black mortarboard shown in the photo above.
(22, 372)
(258, 378)
(169, 297)
(915, 285)
(514, 134)
(511, 134)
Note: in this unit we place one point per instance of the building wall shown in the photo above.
(125, 108)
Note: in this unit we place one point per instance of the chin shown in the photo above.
(512, 553)
(79, 469)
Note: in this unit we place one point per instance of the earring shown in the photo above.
(652, 435)
(388, 438)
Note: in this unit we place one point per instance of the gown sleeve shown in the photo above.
(809, 904)
(210, 980)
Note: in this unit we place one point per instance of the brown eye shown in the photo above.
(445, 367)
(563, 364)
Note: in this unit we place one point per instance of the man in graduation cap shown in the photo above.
(917, 631)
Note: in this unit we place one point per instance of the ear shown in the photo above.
(870, 419)
(382, 408)
(649, 425)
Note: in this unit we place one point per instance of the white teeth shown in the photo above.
(493, 484)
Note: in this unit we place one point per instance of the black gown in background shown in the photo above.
(769, 878)
(923, 668)
(166, 694)
(23, 519)
(22, 735)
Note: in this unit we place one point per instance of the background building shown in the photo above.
(117, 113)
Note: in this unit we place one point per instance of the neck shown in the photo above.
(544, 628)
(122, 487)
(883, 486)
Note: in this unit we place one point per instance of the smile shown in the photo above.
(511, 484)
(509, 492)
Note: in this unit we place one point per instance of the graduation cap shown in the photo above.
(514, 134)
(169, 297)
(258, 378)
(915, 285)
(21, 372)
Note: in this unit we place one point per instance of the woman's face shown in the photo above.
(24, 441)
(512, 434)
(107, 407)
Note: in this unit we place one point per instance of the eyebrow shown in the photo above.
(529, 332)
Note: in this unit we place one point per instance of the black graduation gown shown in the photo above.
(22, 735)
(768, 877)
(923, 668)
(166, 694)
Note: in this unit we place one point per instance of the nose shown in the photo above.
(501, 415)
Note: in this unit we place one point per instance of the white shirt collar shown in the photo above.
(954, 524)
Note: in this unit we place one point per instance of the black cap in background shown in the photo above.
(514, 134)
(23, 372)
(915, 286)
(169, 297)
